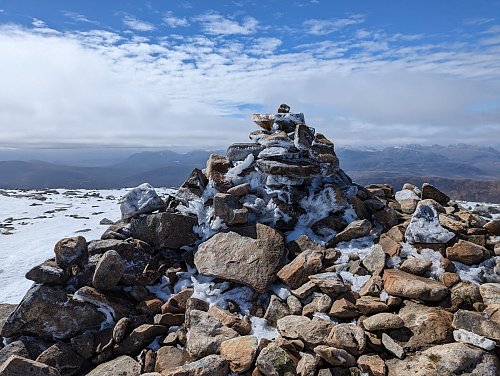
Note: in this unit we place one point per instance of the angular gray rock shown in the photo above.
(251, 255)
(48, 272)
(464, 336)
(140, 200)
(165, 230)
(425, 227)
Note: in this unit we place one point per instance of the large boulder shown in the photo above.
(140, 200)
(251, 255)
(425, 227)
(49, 313)
(165, 230)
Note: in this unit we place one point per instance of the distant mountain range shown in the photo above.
(464, 171)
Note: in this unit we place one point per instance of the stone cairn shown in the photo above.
(271, 261)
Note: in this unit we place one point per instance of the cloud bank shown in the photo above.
(105, 88)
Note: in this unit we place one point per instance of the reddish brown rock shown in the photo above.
(467, 253)
(411, 286)
(296, 273)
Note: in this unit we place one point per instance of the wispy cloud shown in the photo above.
(136, 24)
(214, 23)
(478, 21)
(325, 27)
(170, 20)
(77, 17)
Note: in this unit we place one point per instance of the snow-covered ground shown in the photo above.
(31, 223)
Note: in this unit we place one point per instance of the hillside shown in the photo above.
(466, 172)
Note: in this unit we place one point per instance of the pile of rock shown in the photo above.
(271, 261)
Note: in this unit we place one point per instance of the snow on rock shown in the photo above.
(406, 194)
(424, 227)
(140, 200)
(464, 336)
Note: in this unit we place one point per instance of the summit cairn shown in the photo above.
(269, 261)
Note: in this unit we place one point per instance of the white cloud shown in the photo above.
(170, 20)
(325, 27)
(137, 25)
(100, 87)
(214, 23)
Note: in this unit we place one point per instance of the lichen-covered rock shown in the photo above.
(334, 356)
(251, 255)
(170, 357)
(140, 200)
(349, 337)
(383, 321)
(274, 361)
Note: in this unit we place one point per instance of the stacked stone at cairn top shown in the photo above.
(265, 180)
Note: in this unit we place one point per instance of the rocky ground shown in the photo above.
(270, 261)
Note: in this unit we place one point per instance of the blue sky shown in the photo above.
(186, 74)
